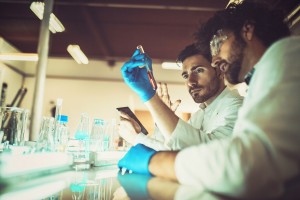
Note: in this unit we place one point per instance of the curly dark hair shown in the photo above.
(269, 23)
(191, 50)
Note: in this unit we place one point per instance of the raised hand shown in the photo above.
(136, 77)
(163, 93)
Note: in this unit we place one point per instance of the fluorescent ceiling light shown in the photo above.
(170, 65)
(19, 56)
(77, 54)
(54, 25)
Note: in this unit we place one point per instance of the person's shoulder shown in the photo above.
(287, 41)
(285, 45)
(234, 94)
(280, 52)
(232, 98)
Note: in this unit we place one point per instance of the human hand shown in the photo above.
(137, 78)
(137, 159)
(162, 91)
(128, 128)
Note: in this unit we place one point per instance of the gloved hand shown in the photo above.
(137, 159)
(135, 185)
(137, 78)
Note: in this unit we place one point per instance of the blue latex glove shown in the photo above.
(135, 185)
(137, 159)
(137, 78)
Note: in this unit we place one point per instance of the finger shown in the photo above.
(175, 105)
(122, 119)
(124, 115)
(136, 52)
(141, 57)
(131, 65)
(166, 100)
(164, 89)
(159, 92)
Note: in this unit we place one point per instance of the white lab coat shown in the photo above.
(264, 152)
(216, 121)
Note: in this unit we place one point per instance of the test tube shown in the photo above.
(149, 72)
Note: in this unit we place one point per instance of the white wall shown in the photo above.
(97, 98)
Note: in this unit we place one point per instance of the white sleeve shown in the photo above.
(185, 135)
(157, 135)
(221, 127)
(222, 166)
(264, 152)
(150, 142)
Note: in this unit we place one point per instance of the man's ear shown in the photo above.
(248, 30)
(219, 72)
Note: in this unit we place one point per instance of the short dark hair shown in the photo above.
(269, 23)
(192, 50)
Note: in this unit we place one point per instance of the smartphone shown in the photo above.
(132, 115)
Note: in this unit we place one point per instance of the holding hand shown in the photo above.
(137, 159)
(128, 128)
(137, 78)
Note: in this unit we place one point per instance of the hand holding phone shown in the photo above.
(132, 115)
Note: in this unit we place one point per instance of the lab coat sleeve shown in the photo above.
(151, 142)
(264, 152)
(185, 134)
(157, 135)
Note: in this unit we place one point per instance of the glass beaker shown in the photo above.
(45, 142)
(13, 123)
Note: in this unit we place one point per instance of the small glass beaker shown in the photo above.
(13, 123)
(45, 142)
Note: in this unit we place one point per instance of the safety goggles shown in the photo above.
(217, 41)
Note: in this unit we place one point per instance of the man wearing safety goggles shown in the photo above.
(261, 160)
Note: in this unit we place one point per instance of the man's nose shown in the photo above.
(192, 80)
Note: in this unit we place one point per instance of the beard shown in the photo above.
(206, 92)
(200, 98)
(235, 60)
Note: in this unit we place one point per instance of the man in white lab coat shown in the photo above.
(215, 118)
(263, 155)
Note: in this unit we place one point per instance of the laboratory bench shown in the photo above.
(103, 183)
(56, 177)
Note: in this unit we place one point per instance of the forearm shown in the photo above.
(163, 116)
(162, 164)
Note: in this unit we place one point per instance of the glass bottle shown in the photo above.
(62, 133)
(81, 155)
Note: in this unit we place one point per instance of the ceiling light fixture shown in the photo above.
(77, 54)
(19, 56)
(54, 25)
(170, 65)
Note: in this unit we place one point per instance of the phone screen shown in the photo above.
(132, 115)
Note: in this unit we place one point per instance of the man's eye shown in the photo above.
(185, 76)
(199, 70)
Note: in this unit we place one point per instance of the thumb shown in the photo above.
(175, 105)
